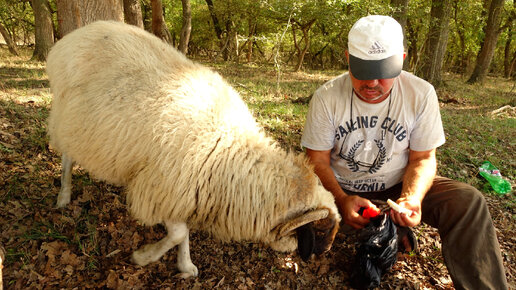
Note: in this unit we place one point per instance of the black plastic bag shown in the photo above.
(376, 252)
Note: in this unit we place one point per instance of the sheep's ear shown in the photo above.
(302, 220)
(305, 241)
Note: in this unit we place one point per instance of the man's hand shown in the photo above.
(349, 206)
(407, 220)
(418, 178)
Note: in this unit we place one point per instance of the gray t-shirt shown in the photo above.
(370, 142)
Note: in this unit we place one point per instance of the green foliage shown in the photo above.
(269, 23)
(18, 19)
(465, 35)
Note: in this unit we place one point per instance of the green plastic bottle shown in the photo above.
(493, 175)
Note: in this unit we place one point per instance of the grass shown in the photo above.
(474, 134)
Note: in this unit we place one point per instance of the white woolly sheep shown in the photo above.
(135, 112)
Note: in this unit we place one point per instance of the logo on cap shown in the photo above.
(376, 48)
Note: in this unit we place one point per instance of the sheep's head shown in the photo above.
(315, 231)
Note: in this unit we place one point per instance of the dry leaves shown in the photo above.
(88, 244)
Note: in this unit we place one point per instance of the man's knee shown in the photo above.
(451, 202)
(469, 208)
(469, 198)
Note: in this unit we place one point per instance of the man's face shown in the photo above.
(372, 91)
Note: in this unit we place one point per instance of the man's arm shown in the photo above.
(348, 205)
(418, 178)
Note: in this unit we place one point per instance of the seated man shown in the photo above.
(372, 133)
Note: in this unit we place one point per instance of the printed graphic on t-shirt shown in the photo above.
(376, 183)
(364, 148)
(367, 123)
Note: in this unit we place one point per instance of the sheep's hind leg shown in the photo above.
(184, 263)
(177, 235)
(66, 181)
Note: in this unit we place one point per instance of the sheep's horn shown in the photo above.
(302, 220)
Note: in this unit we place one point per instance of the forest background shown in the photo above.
(472, 38)
(275, 53)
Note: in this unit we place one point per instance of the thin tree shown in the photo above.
(250, 37)
(44, 30)
(219, 31)
(159, 27)
(133, 13)
(437, 40)
(186, 29)
(491, 33)
(510, 58)
(11, 44)
(215, 19)
(301, 52)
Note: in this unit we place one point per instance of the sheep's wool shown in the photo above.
(135, 112)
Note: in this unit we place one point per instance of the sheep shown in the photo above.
(134, 112)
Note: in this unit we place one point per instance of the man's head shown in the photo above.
(375, 48)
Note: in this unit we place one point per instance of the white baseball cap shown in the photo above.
(375, 47)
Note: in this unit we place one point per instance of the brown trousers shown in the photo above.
(469, 244)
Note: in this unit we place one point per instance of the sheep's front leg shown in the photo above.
(177, 234)
(66, 181)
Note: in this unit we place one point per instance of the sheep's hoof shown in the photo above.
(62, 200)
(188, 269)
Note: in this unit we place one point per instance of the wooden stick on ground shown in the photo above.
(2, 258)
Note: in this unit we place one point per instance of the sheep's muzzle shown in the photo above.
(325, 231)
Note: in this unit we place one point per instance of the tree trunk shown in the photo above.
(44, 31)
(11, 45)
(412, 49)
(508, 59)
(487, 50)
(231, 35)
(306, 37)
(437, 41)
(507, 54)
(250, 39)
(159, 27)
(186, 29)
(400, 14)
(223, 43)
(513, 67)
(133, 13)
(72, 14)
(214, 18)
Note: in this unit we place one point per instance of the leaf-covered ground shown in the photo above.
(88, 244)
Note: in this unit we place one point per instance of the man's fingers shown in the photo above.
(403, 219)
(397, 218)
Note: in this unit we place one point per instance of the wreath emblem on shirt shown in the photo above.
(355, 166)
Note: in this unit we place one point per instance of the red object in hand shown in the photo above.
(371, 212)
